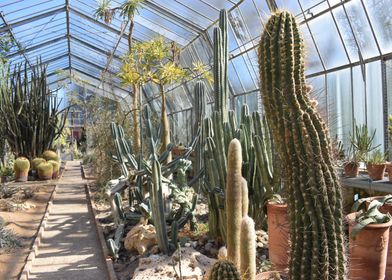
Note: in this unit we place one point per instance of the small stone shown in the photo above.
(194, 244)
(187, 244)
(208, 246)
(260, 245)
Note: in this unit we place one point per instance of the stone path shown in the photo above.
(70, 248)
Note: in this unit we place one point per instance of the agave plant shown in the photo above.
(361, 143)
(370, 216)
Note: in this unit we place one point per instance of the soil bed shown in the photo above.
(24, 223)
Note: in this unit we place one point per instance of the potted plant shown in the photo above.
(369, 236)
(376, 165)
(45, 171)
(361, 146)
(21, 168)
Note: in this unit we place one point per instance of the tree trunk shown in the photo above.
(165, 139)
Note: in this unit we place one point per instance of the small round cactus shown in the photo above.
(50, 155)
(21, 168)
(45, 171)
(35, 162)
(56, 168)
(224, 270)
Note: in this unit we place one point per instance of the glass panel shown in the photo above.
(312, 59)
(362, 30)
(359, 95)
(388, 65)
(374, 101)
(291, 5)
(319, 93)
(347, 33)
(380, 13)
(328, 41)
(340, 105)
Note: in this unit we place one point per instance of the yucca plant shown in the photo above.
(361, 143)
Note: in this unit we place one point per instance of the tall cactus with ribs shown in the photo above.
(313, 188)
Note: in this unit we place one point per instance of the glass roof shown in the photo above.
(65, 34)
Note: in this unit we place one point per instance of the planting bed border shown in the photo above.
(101, 238)
(37, 239)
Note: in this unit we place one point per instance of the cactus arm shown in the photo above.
(248, 249)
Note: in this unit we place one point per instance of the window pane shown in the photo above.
(328, 41)
(374, 100)
(340, 105)
(380, 13)
(359, 95)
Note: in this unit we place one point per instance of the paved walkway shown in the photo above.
(70, 248)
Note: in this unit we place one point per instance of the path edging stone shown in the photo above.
(108, 261)
(37, 240)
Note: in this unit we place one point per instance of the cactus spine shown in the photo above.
(224, 270)
(220, 67)
(248, 249)
(234, 201)
(313, 188)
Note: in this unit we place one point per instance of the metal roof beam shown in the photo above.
(31, 19)
(68, 34)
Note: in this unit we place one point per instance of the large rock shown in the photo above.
(141, 238)
(194, 265)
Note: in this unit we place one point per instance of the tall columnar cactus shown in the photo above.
(244, 198)
(234, 201)
(200, 114)
(248, 249)
(224, 270)
(221, 84)
(313, 188)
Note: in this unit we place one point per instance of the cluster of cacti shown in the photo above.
(30, 112)
(312, 186)
(156, 205)
(221, 83)
(240, 239)
(21, 168)
(259, 168)
(35, 162)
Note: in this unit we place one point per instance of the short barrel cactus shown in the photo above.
(224, 270)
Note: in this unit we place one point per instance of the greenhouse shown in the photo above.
(196, 139)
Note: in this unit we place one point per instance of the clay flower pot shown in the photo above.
(388, 168)
(376, 171)
(278, 235)
(386, 208)
(351, 169)
(368, 252)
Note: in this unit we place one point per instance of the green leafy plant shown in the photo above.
(361, 143)
(377, 157)
(370, 216)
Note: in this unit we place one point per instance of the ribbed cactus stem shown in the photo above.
(244, 197)
(248, 249)
(224, 270)
(220, 67)
(313, 188)
(234, 201)
(200, 113)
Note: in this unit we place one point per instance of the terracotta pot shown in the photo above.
(45, 176)
(376, 171)
(351, 169)
(268, 275)
(21, 176)
(388, 168)
(386, 208)
(278, 236)
(368, 252)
